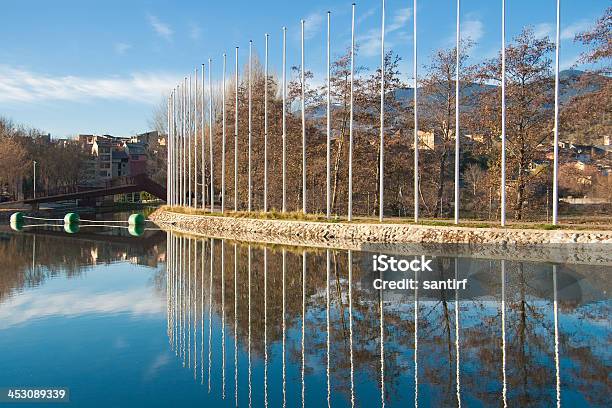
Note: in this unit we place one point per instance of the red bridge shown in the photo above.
(119, 185)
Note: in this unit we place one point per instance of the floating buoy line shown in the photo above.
(72, 223)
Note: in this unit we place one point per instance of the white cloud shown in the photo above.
(399, 20)
(472, 29)
(542, 30)
(32, 305)
(569, 32)
(19, 85)
(369, 43)
(162, 29)
(364, 16)
(195, 31)
(312, 25)
(122, 48)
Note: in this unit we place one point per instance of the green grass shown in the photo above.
(275, 214)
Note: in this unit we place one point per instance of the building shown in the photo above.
(102, 150)
(137, 158)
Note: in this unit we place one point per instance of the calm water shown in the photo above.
(171, 320)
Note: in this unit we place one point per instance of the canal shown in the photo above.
(167, 319)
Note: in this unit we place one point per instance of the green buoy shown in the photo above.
(16, 225)
(71, 218)
(71, 228)
(136, 219)
(136, 230)
(17, 217)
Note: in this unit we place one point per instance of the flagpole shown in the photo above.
(250, 124)
(266, 127)
(350, 158)
(236, 135)
(503, 118)
(381, 159)
(284, 92)
(303, 127)
(195, 138)
(223, 140)
(328, 145)
(211, 137)
(203, 141)
(457, 116)
(188, 116)
(184, 130)
(168, 164)
(416, 116)
(556, 134)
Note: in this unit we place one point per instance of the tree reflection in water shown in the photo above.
(515, 343)
(524, 334)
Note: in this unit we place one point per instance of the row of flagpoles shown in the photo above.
(182, 185)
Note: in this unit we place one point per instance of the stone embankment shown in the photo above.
(401, 238)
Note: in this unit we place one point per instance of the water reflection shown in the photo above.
(308, 328)
(272, 326)
(29, 259)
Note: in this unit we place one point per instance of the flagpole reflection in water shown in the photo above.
(210, 296)
(223, 318)
(416, 341)
(202, 267)
(382, 344)
(183, 312)
(284, 328)
(236, 314)
(168, 293)
(249, 312)
(350, 295)
(176, 281)
(195, 305)
(266, 326)
(303, 321)
(457, 336)
(503, 321)
(182, 296)
(556, 322)
(189, 300)
(327, 268)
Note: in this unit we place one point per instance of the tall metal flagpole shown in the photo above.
(174, 151)
(171, 146)
(328, 145)
(179, 157)
(266, 127)
(236, 136)
(284, 119)
(223, 140)
(188, 101)
(183, 136)
(350, 158)
(211, 137)
(457, 116)
(416, 114)
(202, 119)
(381, 171)
(195, 138)
(168, 163)
(503, 117)
(169, 151)
(250, 124)
(303, 127)
(556, 135)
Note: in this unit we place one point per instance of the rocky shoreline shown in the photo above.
(565, 246)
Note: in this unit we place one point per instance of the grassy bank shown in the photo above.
(299, 216)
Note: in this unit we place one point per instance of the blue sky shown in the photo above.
(70, 67)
